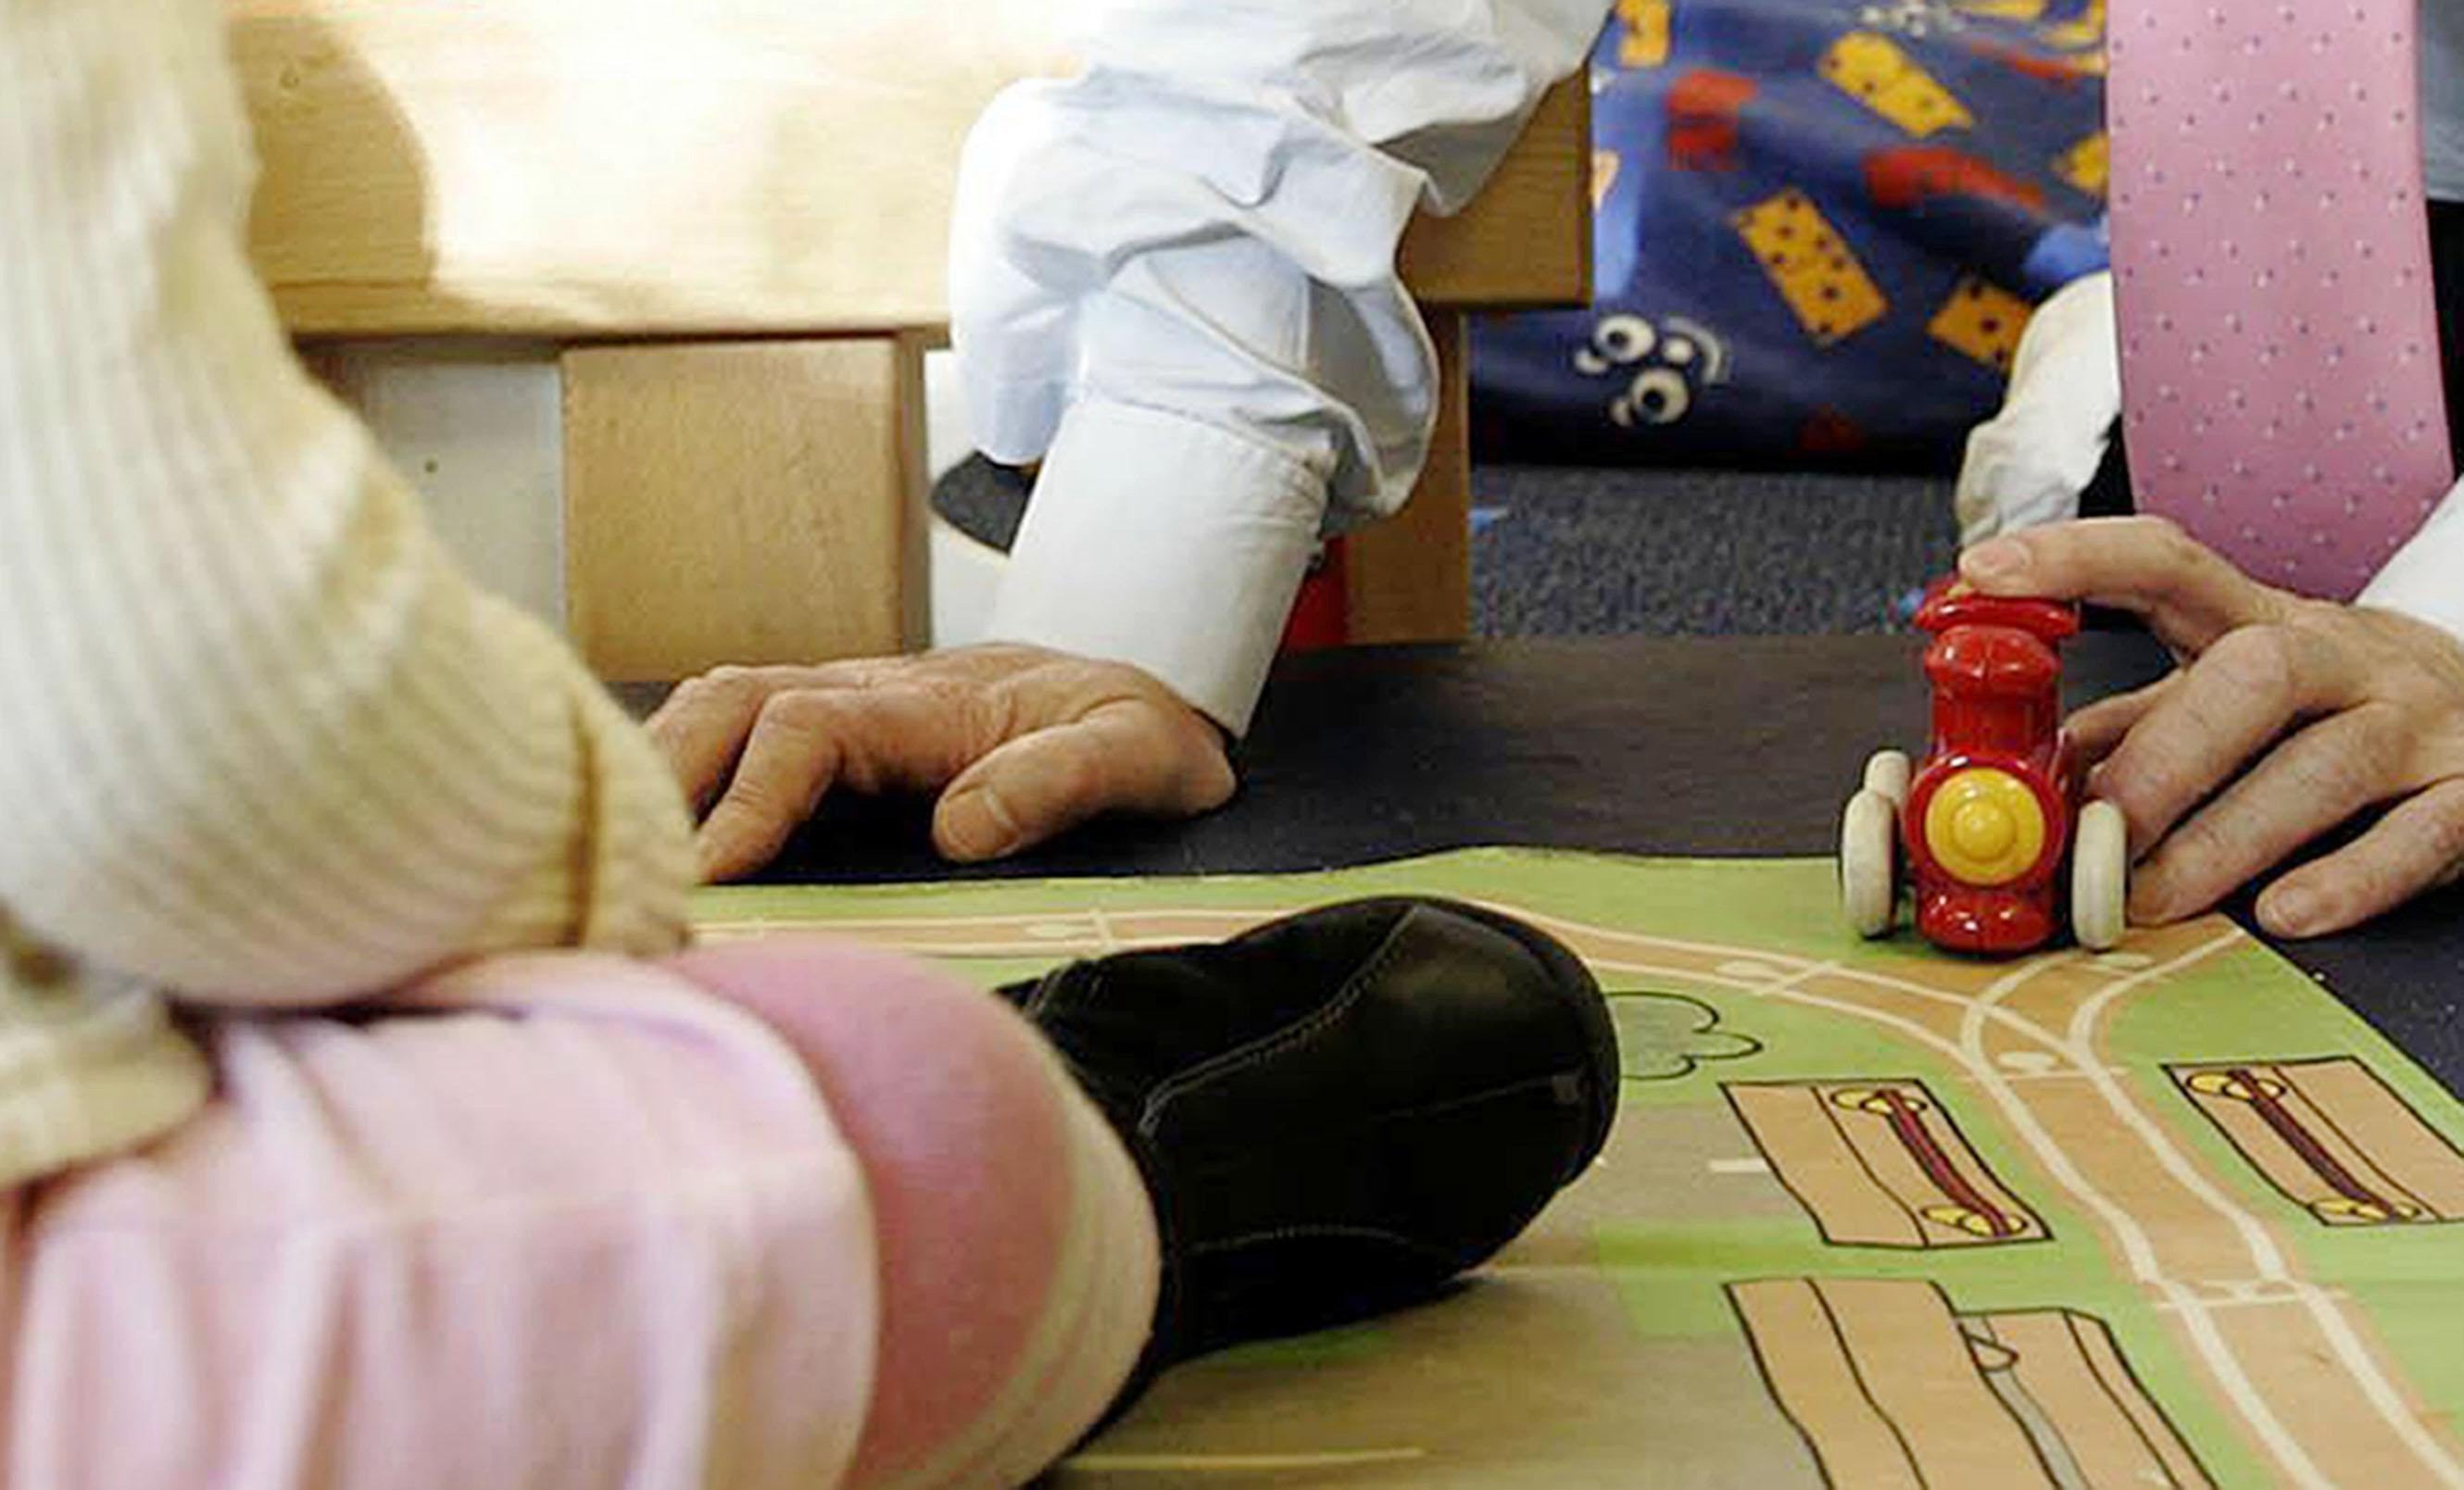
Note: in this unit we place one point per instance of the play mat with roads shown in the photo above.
(1872, 1215)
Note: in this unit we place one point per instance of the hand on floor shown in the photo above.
(1020, 741)
(2287, 717)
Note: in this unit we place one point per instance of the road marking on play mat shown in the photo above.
(1955, 1027)
(2074, 1050)
(1235, 1463)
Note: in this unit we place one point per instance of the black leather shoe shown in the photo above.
(1337, 1112)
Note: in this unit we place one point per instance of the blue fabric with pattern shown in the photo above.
(1820, 227)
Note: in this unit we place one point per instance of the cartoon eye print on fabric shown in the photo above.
(1912, 17)
(1665, 365)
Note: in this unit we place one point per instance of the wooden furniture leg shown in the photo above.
(747, 503)
(1408, 578)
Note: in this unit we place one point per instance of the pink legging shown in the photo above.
(766, 1214)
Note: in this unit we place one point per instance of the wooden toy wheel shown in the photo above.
(1887, 772)
(2100, 877)
(1869, 879)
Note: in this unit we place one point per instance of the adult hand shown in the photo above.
(1020, 741)
(2286, 717)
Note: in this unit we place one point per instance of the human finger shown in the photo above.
(806, 743)
(702, 727)
(2231, 702)
(2418, 845)
(2313, 782)
(2096, 728)
(2189, 593)
(1128, 756)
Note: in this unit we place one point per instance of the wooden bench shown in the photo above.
(731, 218)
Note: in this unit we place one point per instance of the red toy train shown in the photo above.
(1990, 818)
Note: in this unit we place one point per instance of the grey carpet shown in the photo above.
(1573, 551)
(1584, 552)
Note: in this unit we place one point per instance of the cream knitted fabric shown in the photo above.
(260, 743)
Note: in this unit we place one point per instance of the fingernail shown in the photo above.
(2292, 912)
(1997, 562)
(975, 825)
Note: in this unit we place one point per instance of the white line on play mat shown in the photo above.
(1978, 1013)
(2222, 1360)
(2176, 1297)
(1235, 1463)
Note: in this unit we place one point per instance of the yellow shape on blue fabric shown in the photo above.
(1874, 71)
(2087, 164)
(1983, 322)
(1809, 264)
(1645, 42)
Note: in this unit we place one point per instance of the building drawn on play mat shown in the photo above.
(1890, 1386)
(1880, 1164)
(2331, 1138)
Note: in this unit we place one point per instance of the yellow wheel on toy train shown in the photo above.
(1984, 827)
(1881, 1104)
(2100, 877)
(1869, 869)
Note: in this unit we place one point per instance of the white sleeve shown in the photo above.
(2028, 465)
(1173, 279)
(2426, 578)
(262, 742)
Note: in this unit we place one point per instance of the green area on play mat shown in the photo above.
(2283, 1330)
